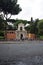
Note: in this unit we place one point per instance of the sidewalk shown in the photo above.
(13, 42)
(22, 41)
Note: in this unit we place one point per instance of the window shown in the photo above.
(21, 28)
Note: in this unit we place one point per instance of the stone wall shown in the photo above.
(31, 36)
(10, 35)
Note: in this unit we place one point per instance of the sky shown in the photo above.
(30, 8)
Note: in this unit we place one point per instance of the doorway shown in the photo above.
(21, 36)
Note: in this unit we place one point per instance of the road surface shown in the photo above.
(30, 53)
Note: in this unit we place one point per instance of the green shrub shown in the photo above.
(1, 33)
(1, 37)
(41, 37)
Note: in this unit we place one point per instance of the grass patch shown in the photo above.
(41, 37)
(1, 37)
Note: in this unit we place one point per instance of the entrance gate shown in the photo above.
(21, 37)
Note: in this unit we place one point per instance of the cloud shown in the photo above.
(30, 8)
(36, 9)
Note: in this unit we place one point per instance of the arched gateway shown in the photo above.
(21, 33)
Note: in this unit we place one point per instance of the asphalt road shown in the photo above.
(30, 53)
(26, 48)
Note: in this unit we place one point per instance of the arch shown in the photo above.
(21, 36)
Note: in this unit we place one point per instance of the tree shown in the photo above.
(17, 21)
(40, 27)
(30, 27)
(31, 22)
(27, 29)
(9, 7)
(2, 24)
(33, 26)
